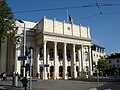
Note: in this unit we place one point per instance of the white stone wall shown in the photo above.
(64, 28)
(97, 55)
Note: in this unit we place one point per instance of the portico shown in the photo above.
(60, 55)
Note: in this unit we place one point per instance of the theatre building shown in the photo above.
(60, 50)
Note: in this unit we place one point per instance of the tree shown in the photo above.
(102, 65)
(7, 21)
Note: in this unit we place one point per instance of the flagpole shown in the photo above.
(67, 15)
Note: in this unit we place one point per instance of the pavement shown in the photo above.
(37, 84)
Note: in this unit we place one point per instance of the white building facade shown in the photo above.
(97, 52)
(60, 50)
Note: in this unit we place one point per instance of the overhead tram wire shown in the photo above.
(88, 17)
(84, 6)
(51, 9)
(97, 5)
(94, 15)
(112, 13)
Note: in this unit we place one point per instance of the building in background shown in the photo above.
(114, 64)
(97, 52)
(60, 49)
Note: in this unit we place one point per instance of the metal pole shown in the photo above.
(31, 52)
(97, 77)
(67, 15)
(24, 47)
(16, 59)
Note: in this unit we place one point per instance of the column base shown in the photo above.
(80, 75)
(65, 75)
(84, 75)
(89, 75)
(74, 75)
(45, 76)
(56, 75)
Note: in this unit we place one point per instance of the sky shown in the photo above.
(104, 21)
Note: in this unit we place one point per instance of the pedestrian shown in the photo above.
(25, 82)
(4, 76)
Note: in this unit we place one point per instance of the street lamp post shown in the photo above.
(24, 45)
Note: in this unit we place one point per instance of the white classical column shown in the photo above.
(56, 72)
(48, 63)
(65, 62)
(37, 67)
(74, 73)
(80, 62)
(44, 60)
(16, 59)
(90, 61)
(17, 62)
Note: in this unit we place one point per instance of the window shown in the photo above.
(97, 49)
(97, 55)
(76, 55)
(117, 60)
(68, 28)
(118, 65)
(109, 61)
(51, 53)
(68, 54)
(114, 66)
(60, 54)
(109, 66)
(41, 52)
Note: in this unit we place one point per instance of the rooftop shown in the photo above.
(114, 55)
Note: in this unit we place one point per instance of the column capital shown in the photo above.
(65, 43)
(74, 44)
(55, 42)
(54, 19)
(45, 41)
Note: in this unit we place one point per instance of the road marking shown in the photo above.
(93, 89)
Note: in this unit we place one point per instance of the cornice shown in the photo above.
(66, 36)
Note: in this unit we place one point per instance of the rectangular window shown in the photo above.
(68, 28)
(109, 61)
(51, 53)
(60, 54)
(114, 66)
(109, 66)
(118, 65)
(117, 60)
(41, 52)
(68, 54)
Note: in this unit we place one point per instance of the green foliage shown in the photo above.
(7, 22)
(102, 64)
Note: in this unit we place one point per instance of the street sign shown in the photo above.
(22, 58)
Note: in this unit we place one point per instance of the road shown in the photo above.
(104, 84)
